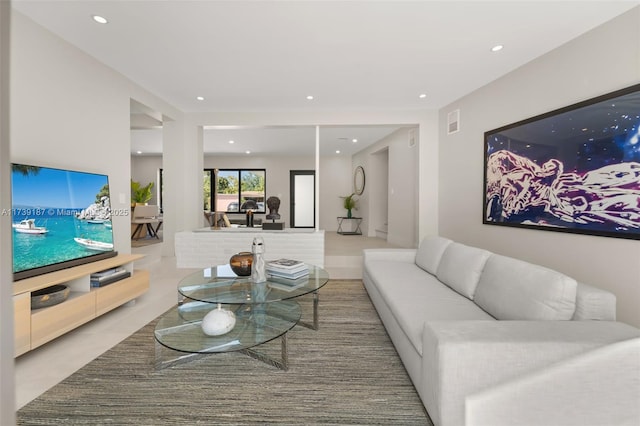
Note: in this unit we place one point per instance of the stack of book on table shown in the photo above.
(287, 284)
(102, 278)
(287, 268)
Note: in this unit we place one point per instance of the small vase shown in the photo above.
(241, 263)
(349, 213)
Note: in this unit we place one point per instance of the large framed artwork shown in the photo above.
(575, 169)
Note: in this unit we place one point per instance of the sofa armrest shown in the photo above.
(599, 387)
(462, 358)
(593, 303)
(390, 254)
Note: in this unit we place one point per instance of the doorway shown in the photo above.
(302, 198)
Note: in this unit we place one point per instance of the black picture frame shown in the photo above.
(575, 169)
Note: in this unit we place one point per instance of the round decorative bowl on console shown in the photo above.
(241, 263)
(49, 296)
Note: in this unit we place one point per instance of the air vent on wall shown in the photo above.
(453, 122)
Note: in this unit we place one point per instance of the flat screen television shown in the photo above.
(575, 169)
(60, 218)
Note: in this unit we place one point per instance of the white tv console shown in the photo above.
(36, 327)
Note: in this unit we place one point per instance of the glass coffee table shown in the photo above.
(264, 312)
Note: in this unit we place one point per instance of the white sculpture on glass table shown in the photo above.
(218, 322)
(258, 274)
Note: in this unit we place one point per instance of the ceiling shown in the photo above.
(349, 55)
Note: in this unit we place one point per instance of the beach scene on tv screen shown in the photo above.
(58, 215)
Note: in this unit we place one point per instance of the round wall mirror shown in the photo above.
(358, 180)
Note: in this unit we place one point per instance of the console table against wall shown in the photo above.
(357, 231)
(205, 247)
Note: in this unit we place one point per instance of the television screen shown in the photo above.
(60, 218)
(576, 169)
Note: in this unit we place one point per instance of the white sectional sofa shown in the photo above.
(491, 340)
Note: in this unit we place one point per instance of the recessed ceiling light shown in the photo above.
(310, 97)
(200, 98)
(138, 152)
(354, 140)
(422, 95)
(99, 19)
(232, 141)
(338, 151)
(247, 152)
(497, 48)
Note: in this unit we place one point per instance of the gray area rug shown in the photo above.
(347, 372)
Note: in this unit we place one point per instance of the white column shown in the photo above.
(428, 170)
(182, 164)
(7, 388)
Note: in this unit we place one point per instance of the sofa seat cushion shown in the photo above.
(511, 289)
(461, 266)
(430, 252)
(415, 297)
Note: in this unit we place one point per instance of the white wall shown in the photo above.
(336, 177)
(7, 395)
(70, 111)
(601, 61)
(391, 171)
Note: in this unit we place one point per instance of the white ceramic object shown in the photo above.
(218, 322)
(258, 273)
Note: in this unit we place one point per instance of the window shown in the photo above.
(236, 191)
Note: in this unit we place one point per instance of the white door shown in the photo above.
(303, 197)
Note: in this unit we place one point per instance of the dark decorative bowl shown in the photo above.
(241, 263)
(49, 296)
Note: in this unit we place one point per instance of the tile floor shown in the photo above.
(44, 367)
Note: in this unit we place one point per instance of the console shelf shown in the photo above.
(36, 327)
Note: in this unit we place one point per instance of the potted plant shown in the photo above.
(350, 203)
(140, 194)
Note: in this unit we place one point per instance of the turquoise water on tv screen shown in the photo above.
(58, 244)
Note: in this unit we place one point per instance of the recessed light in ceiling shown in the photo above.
(338, 151)
(138, 152)
(422, 95)
(232, 141)
(497, 48)
(247, 152)
(200, 98)
(354, 140)
(310, 98)
(99, 19)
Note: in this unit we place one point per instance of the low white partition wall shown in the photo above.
(207, 247)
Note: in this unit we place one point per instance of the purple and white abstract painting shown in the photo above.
(576, 169)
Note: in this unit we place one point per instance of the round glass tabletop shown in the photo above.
(180, 329)
(219, 284)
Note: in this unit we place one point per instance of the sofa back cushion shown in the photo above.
(511, 289)
(461, 266)
(593, 303)
(430, 252)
